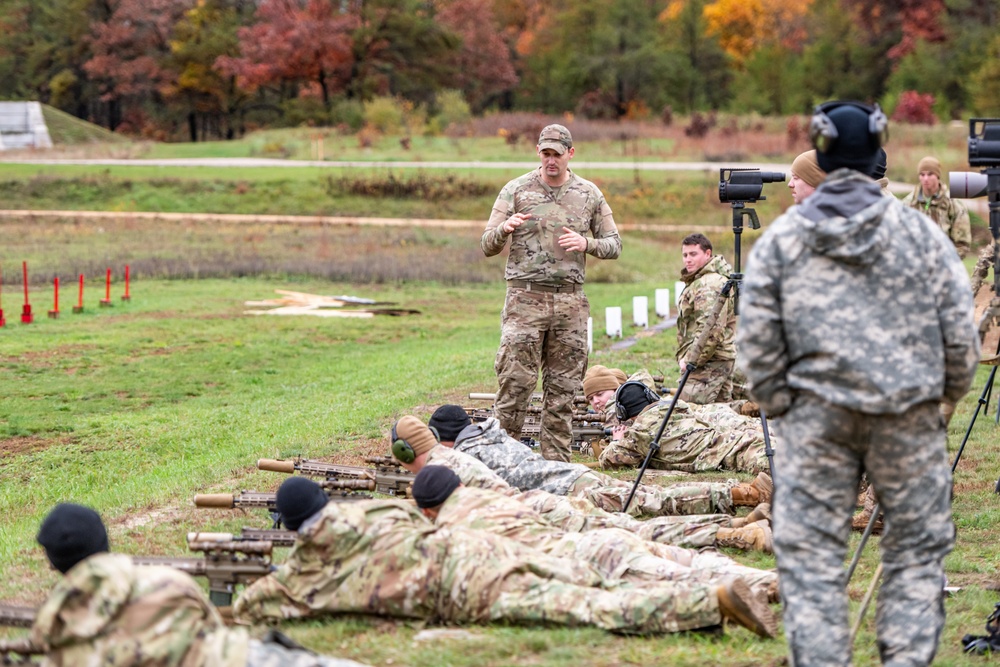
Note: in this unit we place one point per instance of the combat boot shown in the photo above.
(751, 537)
(760, 513)
(753, 494)
(737, 603)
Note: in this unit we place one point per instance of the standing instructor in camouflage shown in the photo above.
(545, 214)
(857, 320)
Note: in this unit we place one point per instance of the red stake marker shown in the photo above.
(26, 316)
(54, 313)
(78, 308)
(106, 301)
(126, 296)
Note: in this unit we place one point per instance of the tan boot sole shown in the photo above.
(740, 605)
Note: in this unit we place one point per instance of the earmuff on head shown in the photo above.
(823, 132)
(621, 411)
(401, 450)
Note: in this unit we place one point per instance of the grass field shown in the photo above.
(134, 409)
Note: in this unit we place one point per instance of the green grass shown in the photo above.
(66, 129)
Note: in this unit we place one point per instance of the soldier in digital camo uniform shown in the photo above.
(704, 276)
(546, 214)
(856, 320)
(580, 514)
(382, 557)
(615, 553)
(110, 612)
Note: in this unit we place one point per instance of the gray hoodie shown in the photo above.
(859, 300)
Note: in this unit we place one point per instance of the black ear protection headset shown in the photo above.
(648, 394)
(402, 450)
(823, 133)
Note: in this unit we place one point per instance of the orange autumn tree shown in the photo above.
(744, 26)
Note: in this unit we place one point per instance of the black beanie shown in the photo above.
(881, 164)
(71, 533)
(633, 398)
(855, 147)
(433, 485)
(448, 421)
(298, 499)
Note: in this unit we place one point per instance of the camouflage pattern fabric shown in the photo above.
(701, 291)
(696, 438)
(382, 558)
(522, 468)
(816, 492)
(107, 611)
(543, 330)
(535, 254)
(857, 276)
(579, 514)
(843, 294)
(547, 332)
(949, 214)
(269, 654)
(613, 552)
(712, 382)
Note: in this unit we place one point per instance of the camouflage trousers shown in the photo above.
(826, 449)
(578, 515)
(269, 654)
(711, 382)
(610, 495)
(548, 332)
(649, 609)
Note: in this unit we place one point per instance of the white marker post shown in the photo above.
(662, 302)
(678, 288)
(640, 311)
(613, 321)
(590, 335)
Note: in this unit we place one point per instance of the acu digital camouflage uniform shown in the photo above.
(107, 611)
(856, 320)
(383, 558)
(696, 438)
(613, 552)
(544, 320)
(580, 515)
(712, 381)
(522, 468)
(949, 214)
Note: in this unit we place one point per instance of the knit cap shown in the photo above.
(416, 433)
(930, 164)
(448, 421)
(433, 485)
(71, 533)
(807, 168)
(601, 378)
(298, 499)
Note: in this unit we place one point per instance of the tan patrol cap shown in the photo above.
(556, 137)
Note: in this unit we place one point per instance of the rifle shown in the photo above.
(254, 499)
(390, 480)
(226, 564)
(277, 537)
(587, 426)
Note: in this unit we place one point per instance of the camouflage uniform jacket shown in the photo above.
(535, 254)
(694, 308)
(950, 215)
(107, 611)
(514, 461)
(382, 557)
(831, 305)
(473, 472)
(697, 437)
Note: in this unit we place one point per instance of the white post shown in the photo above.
(662, 302)
(613, 321)
(678, 288)
(590, 335)
(640, 311)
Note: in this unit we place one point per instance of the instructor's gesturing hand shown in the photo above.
(573, 241)
(514, 221)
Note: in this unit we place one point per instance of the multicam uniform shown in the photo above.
(107, 611)
(382, 557)
(544, 320)
(856, 321)
(697, 438)
(712, 382)
(613, 552)
(950, 215)
(580, 515)
(525, 469)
